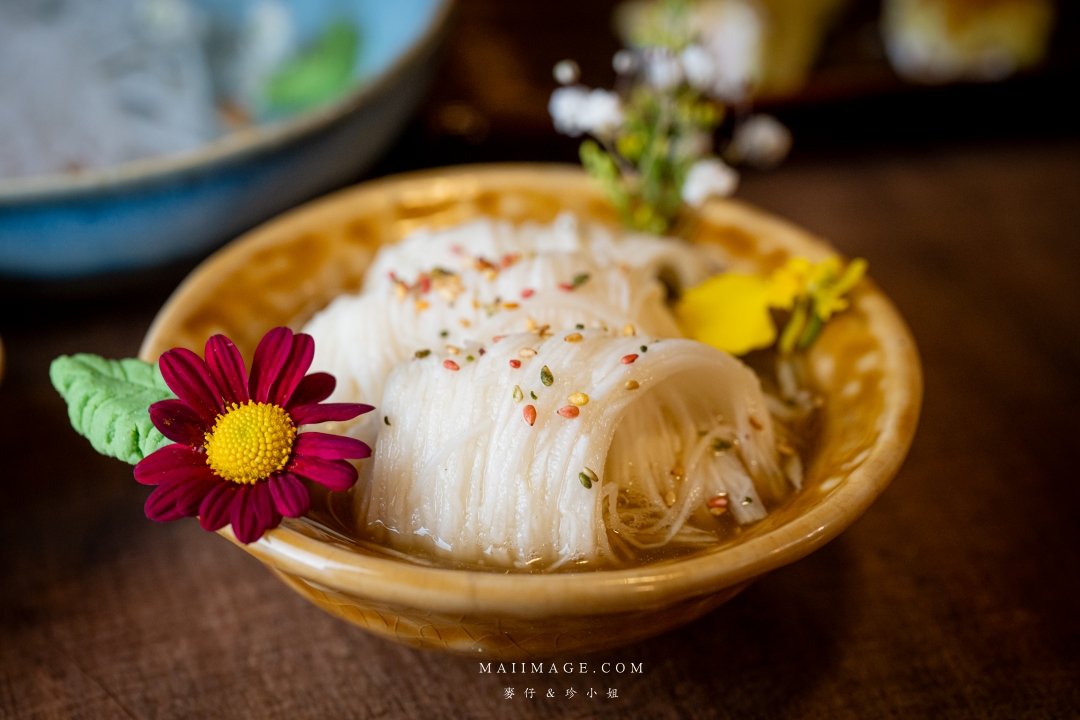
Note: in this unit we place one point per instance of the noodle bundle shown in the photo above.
(539, 407)
(486, 278)
(667, 424)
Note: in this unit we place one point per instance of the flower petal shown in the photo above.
(324, 412)
(161, 505)
(214, 510)
(314, 388)
(330, 447)
(270, 357)
(290, 496)
(188, 376)
(178, 422)
(729, 312)
(261, 501)
(292, 372)
(241, 517)
(194, 491)
(227, 368)
(252, 513)
(170, 463)
(336, 475)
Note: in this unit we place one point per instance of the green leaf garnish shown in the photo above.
(318, 74)
(108, 403)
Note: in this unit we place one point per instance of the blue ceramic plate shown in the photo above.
(167, 208)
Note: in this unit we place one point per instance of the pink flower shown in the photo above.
(239, 458)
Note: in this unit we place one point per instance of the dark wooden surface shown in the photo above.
(956, 595)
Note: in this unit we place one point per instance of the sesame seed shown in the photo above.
(755, 423)
(578, 399)
(546, 377)
(628, 330)
(517, 394)
(720, 501)
(515, 364)
(527, 293)
(627, 359)
(569, 411)
(469, 358)
(497, 338)
(529, 413)
(421, 354)
(526, 352)
(631, 385)
(567, 287)
(443, 333)
(717, 511)
(386, 420)
(510, 306)
(464, 322)
(422, 305)
(450, 365)
(532, 395)
(579, 326)
(573, 337)
(453, 350)
(644, 348)
(585, 481)
(669, 498)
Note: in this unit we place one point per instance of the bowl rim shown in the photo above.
(388, 581)
(232, 147)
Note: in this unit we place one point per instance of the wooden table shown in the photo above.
(956, 595)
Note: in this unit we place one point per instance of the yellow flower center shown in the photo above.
(250, 442)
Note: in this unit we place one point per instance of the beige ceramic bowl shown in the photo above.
(865, 363)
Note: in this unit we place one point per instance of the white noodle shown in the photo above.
(460, 473)
(360, 338)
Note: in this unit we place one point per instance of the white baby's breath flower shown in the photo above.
(624, 62)
(566, 72)
(603, 112)
(576, 110)
(699, 67)
(761, 141)
(662, 69)
(708, 178)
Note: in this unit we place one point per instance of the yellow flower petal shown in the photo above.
(788, 282)
(729, 312)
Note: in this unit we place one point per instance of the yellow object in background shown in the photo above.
(939, 41)
(796, 33)
(763, 47)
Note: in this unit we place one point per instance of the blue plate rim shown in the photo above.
(230, 148)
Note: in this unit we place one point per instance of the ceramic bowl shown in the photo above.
(865, 363)
(167, 208)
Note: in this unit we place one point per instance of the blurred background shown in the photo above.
(139, 134)
(939, 139)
